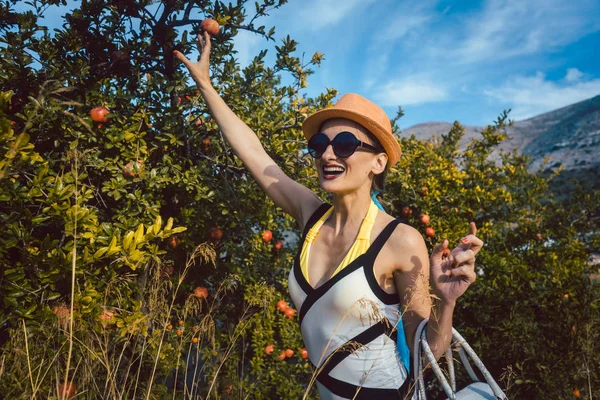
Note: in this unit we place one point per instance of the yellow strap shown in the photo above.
(360, 245)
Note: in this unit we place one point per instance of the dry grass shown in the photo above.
(106, 356)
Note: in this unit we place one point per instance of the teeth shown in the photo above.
(333, 169)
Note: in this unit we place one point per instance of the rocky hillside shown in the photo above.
(570, 136)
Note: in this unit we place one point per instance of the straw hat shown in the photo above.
(364, 112)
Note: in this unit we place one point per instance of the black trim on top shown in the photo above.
(349, 390)
(316, 294)
(319, 212)
(362, 339)
(377, 245)
(300, 276)
(371, 255)
(366, 259)
(385, 297)
(393, 335)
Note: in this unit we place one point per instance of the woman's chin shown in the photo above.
(328, 186)
(332, 185)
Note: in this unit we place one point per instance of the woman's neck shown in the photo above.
(349, 210)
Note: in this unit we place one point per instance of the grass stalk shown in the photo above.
(28, 359)
(73, 270)
(163, 332)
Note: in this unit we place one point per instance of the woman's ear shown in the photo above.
(379, 162)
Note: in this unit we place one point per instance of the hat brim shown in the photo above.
(313, 123)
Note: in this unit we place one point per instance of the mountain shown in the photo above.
(570, 136)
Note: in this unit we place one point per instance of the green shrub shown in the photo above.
(110, 227)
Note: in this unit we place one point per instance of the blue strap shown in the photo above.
(375, 200)
(402, 346)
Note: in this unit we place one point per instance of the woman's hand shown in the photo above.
(451, 276)
(200, 70)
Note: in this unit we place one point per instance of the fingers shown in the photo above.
(179, 55)
(467, 272)
(200, 43)
(439, 248)
(467, 256)
(203, 41)
(472, 229)
(471, 242)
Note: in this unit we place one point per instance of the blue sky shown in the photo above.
(443, 60)
(447, 60)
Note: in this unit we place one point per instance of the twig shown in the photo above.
(73, 268)
(160, 344)
(188, 9)
(80, 120)
(229, 349)
(587, 370)
(28, 361)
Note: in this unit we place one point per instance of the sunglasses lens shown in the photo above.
(344, 144)
(317, 145)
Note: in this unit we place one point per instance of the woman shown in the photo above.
(357, 265)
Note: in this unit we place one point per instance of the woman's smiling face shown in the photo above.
(346, 175)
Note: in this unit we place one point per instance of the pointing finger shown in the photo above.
(476, 244)
(182, 58)
(472, 229)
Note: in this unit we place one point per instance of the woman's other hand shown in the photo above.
(200, 70)
(452, 274)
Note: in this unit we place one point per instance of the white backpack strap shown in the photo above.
(417, 366)
(421, 346)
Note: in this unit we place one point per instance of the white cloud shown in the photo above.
(573, 75)
(248, 45)
(403, 24)
(408, 21)
(318, 14)
(425, 53)
(532, 95)
(509, 28)
(409, 91)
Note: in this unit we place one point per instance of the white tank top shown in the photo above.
(348, 327)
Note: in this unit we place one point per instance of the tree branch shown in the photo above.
(184, 21)
(188, 10)
(187, 21)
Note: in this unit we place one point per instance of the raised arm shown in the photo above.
(449, 277)
(294, 198)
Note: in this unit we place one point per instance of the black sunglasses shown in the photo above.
(344, 145)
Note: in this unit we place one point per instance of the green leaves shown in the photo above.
(187, 214)
(135, 244)
(15, 149)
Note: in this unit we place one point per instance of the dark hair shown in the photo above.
(379, 180)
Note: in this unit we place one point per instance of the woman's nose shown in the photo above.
(328, 154)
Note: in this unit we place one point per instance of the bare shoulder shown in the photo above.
(405, 236)
(409, 248)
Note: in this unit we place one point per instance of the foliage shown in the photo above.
(88, 201)
(533, 314)
(109, 227)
